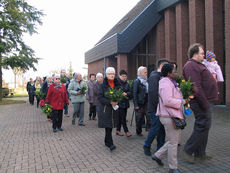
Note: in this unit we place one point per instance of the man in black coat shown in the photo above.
(157, 129)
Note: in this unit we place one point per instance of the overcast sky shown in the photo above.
(70, 28)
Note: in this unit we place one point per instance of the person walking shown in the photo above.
(157, 129)
(90, 96)
(38, 85)
(31, 91)
(108, 118)
(205, 92)
(123, 104)
(170, 105)
(57, 98)
(140, 99)
(45, 87)
(65, 80)
(77, 97)
(98, 82)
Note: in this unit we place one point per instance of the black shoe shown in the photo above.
(174, 171)
(159, 162)
(147, 151)
(112, 147)
(73, 122)
(81, 124)
(204, 157)
(54, 130)
(139, 134)
(60, 129)
(94, 118)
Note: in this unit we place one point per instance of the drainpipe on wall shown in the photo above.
(104, 65)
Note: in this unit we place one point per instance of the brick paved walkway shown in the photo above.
(27, 144)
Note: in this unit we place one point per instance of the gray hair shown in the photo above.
(99, 75)
(110, 70)
(140, 69)
(75, 75)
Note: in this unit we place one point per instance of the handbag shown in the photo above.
(177, 122)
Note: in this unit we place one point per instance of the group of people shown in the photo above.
(156, 100)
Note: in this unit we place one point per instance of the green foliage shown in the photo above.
(179, 80)
(115, 95)
(17, 17)
(83, 89)
(47, 109)
(186, 88)
(130, 82)
(63, 79)
(39, 94)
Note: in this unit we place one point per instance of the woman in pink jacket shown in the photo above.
(170, 105)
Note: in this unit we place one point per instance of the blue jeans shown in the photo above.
(157, 129)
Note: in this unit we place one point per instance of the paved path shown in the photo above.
(27, 144)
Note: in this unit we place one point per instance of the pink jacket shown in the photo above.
(215, 69)
(170, 99)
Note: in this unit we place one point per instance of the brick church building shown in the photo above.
(156, 29)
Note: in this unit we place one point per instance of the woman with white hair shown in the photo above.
(108, 118)
(140, 97)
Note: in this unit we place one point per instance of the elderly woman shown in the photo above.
(57, 98)
(140, 97)
(170, 105)
(97, 83)
(77, 98)
(108, 118)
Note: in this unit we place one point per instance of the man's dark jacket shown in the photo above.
(153, 100)
(205, 85)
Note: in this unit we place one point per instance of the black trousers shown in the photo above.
(38, 101)
(57, 118)
(92, 110)
(108, 137)
(141, 113)
(197, 142)
(122, 113)
(31, 98)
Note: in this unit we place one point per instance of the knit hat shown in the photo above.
(210, 55)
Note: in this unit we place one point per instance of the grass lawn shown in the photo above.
(7, 101)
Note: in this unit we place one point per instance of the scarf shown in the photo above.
(144, 82)
(57, 85)
(111, 83)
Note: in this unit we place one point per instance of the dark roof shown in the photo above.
(127, 19)
(130, 30)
